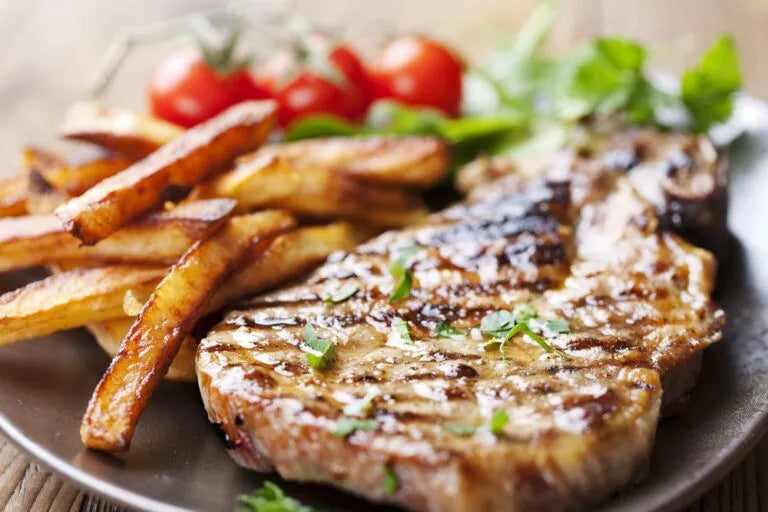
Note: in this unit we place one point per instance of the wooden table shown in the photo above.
(49, 48)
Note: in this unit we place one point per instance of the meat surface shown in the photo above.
(624, 307)
(683, 175)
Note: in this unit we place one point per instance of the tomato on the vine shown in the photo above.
(420, 72)
(334, 82)
(187, 89)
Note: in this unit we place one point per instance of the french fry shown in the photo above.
(267, 181)
(109, 335)
(75, 179)
(119, 130)
(184, 161)
(13, 196)
(158, 238)
(72, 299)
(80, 297)
(419, 161)
(165, 320)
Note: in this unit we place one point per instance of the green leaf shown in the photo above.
(322, 125)
(320, 352)
(401, 328)
(499, 420)
(270, 498)
(346, 426)
(391, 482)
(558, 325)
(400, 272)
(464, 129)
(458, 429)
(707, 89)
(446, 330)
(497, 324)
(347, 291)
(362, 407)
(524, 312)
(391, 117)
(525, 329)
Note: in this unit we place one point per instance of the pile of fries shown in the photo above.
(168, 226)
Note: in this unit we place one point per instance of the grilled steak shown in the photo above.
(581, 417)
(681, 174)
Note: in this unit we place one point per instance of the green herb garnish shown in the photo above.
(270, 498)
(347, 291)
(558, 326)
(499, 420)
(502, 326)
(446, 330)
(346, 426)
(458, 429)
(401, 329)
(391, 482)
(320, 352)
(401, 273)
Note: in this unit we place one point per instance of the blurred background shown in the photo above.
(50, 48)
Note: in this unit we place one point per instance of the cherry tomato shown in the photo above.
(418, 71)
(302, 89)
(184, 89)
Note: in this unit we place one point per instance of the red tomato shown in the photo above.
(302, 91)
(185, 90)
(420, 72)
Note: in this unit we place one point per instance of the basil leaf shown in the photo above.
(499, 420)
(346, 426)
(270, 498)
(707, 89)
(458, 429)
(322, 125)
(391, 482)
(446, 330)
(347, 291)
(320, 352)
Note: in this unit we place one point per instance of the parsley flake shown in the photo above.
(458, 429)
(320, 352)
(346, 426)
(502, 326)
(446, 330)
(401, 329)
(400, 271)
(346, 292)
(499, 420)
(391, 482)
(270, 498)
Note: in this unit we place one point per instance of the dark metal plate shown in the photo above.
(177, 460)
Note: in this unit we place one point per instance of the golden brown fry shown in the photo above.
(13, 196)
(184, 161)
(165, 320)
(267, 181)
(78, 297)
(158, 238)
(119, 130)
(75, 179)
(419, 161)
(72, 299)
(109, 335)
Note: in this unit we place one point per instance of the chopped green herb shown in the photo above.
(346, 426)
(347, 291)
(499, 420)
(497, 324)
(363, 406)
(446, 330)
(400, 271)
(525, 329)
(270, 498)
(524, 312)
(458, 429)
(502, 326)
(558, 326)
(320, 352)
(391, 482)
(401, 329)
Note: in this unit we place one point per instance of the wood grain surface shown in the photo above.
(50, 47)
